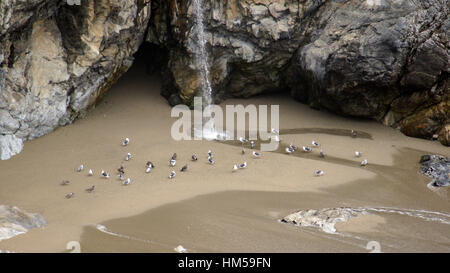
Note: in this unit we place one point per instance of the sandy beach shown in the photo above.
(209, 208)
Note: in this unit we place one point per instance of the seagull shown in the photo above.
(180, 249)
(243, 165)
(172, 174)
(194, 158)
(70, 195)
(80, 168)
(306, 149)
(125, 142)
(277, 138)
(149, 164)
(321, 153)
(174, 156)
(315, 143)
(121, 170)
(211, 161)
(275, 131)
(91, 172)
(148, 170)
(353, 133)
(358, 154)
(364, 162)
(256, 154)
(121, 177)
(318, 172)
(243, 140)
(289, 150)
(252, 144)
(91, 189)
(64, 183)
(126, 182)
(210, 154)
(293, 147)
(105, 174)
(235, 167)
(173, 162)
(128, 157)
(184, 168)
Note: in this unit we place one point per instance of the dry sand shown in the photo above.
(209, 208)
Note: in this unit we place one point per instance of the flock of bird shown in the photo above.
(149, 166)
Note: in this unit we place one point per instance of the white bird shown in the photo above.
(315, 143)
(105, 174)
(211, 160)
(80, 168)
(127, 182)
(172, 174)
(358, 154)
(275, 131)
(252, 144)
(364, 162)
(256, 154)
(128, 157)
(235, 167)
(353, 133)
(243, 165)
(180, 249)
(318, 172)
(277, 138)
(243, 140)
(125, 142)
(289, 150)
(194, 158)
(306, 149)
(148, 170)
(91, 172)
(210, 154)
(173, 162)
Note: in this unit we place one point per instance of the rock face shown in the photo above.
(436, 167)
(382, 59)
(14, 221)
(325, 219)
(57, 59)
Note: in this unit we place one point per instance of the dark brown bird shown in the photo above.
(91, 189)
(149, 164)
(174, 156)
(70, 195)
(65, 183)
(121, 170)
(184, 168)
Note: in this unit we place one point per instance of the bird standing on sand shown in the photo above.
(315, 143)
(128, 157)
(318, 172)
(121, 170)
(235, 167)
(243, 151)
(243, 140)
(358, 154)
(210, 154)
(321, 154)
(353, 133)
(80, 168)
(293, 147)
(256, 154)
(172, 162)
(184, 168)
(91, 189)
(172, 174)
(194, 158)
(289, 150)
(252, 144)
(306, 149)
(277, 138)
(91, 172)
(65, 183)
(121, 177)
(149, 164)
(105, 174)
(174, 156)
(70, 195)
(125, 142)
(126, 182)
(211, 160)
(243, 165)
(364, 162)
(148, 170)
(275, 131)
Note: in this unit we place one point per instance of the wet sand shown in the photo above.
(209, 208)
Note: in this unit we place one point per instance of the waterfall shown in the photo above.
(201, 58)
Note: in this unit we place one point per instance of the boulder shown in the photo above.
(14, 221)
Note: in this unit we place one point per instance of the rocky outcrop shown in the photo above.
(14, 221)
(436, 167)
(57, 59)
(381, 59)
